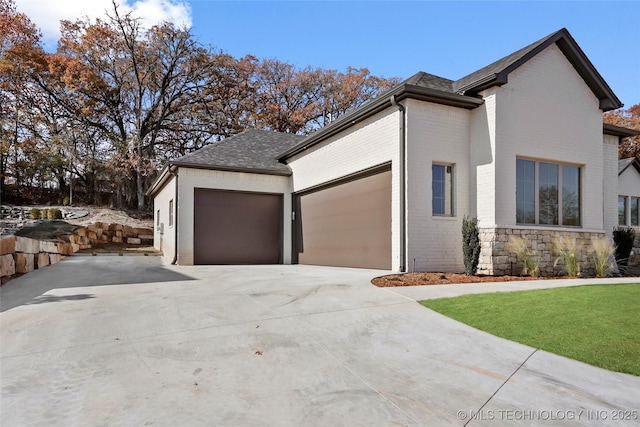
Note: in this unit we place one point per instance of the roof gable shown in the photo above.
(623, 164)
(497, 73)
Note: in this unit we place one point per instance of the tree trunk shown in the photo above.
(140, 186)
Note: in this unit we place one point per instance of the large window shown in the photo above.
(547, 193)
(442, 189)
(628, 211)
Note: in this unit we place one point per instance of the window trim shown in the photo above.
(536, 193)
(449, 170)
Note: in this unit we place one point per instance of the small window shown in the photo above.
(158, 217)
(442, 189)
(635, 211)
(622, 210)
(170, 212)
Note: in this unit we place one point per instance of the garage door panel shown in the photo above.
(237, 228)
(347, 225)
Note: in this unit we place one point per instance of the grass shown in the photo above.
(597, 325)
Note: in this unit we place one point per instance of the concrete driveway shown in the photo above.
(102, 341)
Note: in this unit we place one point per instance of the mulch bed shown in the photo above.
(421, 279)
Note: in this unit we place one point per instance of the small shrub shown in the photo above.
(518, 246)
(603, 256)
(623, 238)
(470, 245)
(54, 213)
(567, 250)
(66, 201)
(34, 213)
(44, 213)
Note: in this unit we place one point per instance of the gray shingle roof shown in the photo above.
(253, 150)
(430, 81)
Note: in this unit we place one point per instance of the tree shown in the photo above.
(139, 90)
(629, 118)
(20, 55)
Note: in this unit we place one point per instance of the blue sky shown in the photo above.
(398, 38)
(394, 38)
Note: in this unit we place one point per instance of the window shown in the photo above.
(158, 217)
(628, 207)
(170, 212)
(547, 193)
(442, 189)
(622, 210)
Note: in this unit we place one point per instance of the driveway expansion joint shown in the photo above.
(502, 385)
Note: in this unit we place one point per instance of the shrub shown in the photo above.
(470, 245)
(66, 201)
(44, 213)
(603, 256)
(54, 213)
(623, 238)
(518, 246)
(567, 251)
(34, 213)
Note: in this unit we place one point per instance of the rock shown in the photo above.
(42, 260)
(50, 247)
(27, 245)
(7, 245)
(7, 265)
(24, 262)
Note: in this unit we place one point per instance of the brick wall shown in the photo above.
(440, 134)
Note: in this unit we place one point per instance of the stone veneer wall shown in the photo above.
(495, 260)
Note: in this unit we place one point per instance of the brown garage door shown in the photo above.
(346, 225)
(237, 228)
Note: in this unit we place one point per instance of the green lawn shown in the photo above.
(599, 325)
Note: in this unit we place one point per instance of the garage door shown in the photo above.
(346, 225)
(237, 228)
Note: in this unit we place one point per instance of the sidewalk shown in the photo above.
(418, 293)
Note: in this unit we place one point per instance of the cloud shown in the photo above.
(46, 14)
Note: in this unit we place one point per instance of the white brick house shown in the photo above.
(519, 144)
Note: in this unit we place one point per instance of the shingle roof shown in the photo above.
(253, 150)
(430, 81)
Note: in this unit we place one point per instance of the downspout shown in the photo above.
(175, 220)
(403, 166)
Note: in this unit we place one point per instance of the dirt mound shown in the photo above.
(111, 216)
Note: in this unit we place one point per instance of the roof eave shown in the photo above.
(160, 181)
(232, 169)
(402, 91)
(618, 131)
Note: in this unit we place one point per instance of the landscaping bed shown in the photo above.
(421, 279)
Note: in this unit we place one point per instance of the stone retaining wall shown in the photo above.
(495, 260)
(20, 255)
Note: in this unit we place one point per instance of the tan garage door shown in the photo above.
(237, 228)
(346, 225)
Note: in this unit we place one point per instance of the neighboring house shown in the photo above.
(519, 144)
(629, 192)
